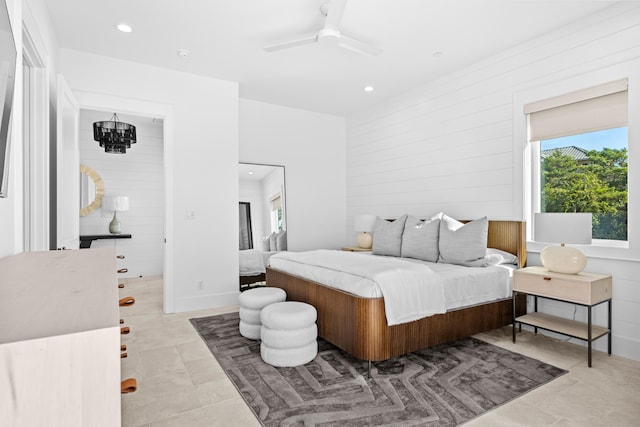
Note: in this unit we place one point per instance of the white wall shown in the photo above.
(311, 146)
(137, 174)
(201, 137)
(449, 145)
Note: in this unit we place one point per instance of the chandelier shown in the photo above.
(115, 136)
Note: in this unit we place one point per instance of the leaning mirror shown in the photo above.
(91, 190)
(262, 204)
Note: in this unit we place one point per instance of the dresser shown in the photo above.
(59, 339)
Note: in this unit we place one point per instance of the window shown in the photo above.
(588, 173)
(276, 213)
(579, 156)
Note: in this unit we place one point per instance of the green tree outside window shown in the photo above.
(596, 183)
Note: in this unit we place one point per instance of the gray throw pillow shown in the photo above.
(420, 239)
(273, 245)
(281, 240)
(387, 236)
(463, 244)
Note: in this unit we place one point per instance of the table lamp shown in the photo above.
(563, 228)
(115, 204)
(363, 225)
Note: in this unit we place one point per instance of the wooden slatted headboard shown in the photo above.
(509, 236)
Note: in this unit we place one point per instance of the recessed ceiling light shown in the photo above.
(183, 53)
(250, 172)
(124, 28)
(368, 88)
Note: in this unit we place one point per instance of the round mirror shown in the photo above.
(91, 190)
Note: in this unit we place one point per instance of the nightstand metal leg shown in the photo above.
(609, 326)
(589, 334)
(513, 316)
(535, 309)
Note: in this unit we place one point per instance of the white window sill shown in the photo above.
(598, 249)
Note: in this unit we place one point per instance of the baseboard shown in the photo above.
(202, 302)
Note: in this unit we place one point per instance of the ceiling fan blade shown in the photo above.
(334, 14)
(358, 46)
(291, 43)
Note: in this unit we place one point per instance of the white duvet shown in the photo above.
(252, 261)
(412, 289)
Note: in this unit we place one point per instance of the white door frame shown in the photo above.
(101, 102)
(67, 167)
(36, 136)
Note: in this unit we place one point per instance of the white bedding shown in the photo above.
(253, 262)
(461, 286)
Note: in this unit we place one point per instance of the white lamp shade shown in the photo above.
(563, 228)
(116, 203)
(556, 227)
(364, 223)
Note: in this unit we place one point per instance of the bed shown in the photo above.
(358, 325)
(252, 271)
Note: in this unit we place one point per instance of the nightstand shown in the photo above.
(585, 289)
(355, 249)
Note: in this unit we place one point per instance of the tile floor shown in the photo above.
(181, 384)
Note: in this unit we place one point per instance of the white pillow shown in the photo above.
(420, 239)
(497, 256)
(463, 244)
(387, 236)
(273, 241)
(266, 243)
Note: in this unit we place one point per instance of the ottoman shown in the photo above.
(251, 304)
(288, 334)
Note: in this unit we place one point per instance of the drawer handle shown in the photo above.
(546, 278)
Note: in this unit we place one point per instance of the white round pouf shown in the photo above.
(289, 334)
(251, 304)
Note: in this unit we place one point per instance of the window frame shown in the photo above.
(526, 155)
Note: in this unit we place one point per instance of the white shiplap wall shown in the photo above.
(138, 174)
(449, 144)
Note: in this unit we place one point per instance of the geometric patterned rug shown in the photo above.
(444, 385)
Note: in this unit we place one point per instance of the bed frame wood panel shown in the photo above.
(358, 325)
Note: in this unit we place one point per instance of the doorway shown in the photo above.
(137, 175)
(164, 114)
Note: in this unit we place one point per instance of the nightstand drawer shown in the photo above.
(582, 288)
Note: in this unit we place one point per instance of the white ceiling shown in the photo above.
(226, 38)
(254, 172)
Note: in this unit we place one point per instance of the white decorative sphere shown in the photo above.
(563, 259)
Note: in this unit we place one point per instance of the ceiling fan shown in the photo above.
(330, 33)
